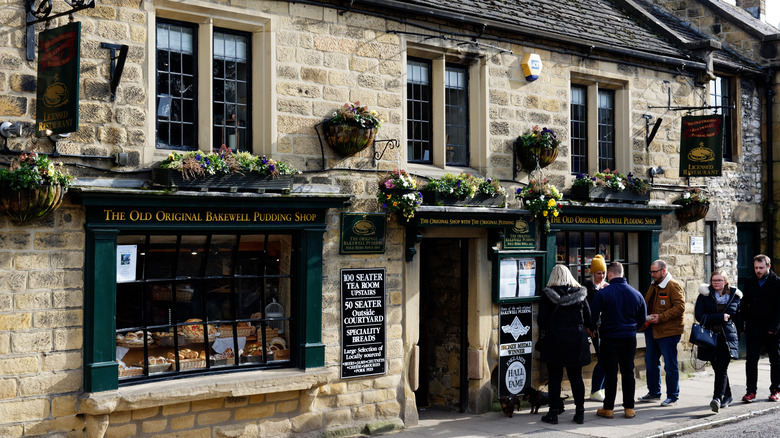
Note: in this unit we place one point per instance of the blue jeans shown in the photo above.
(597, 378)
(654, 349)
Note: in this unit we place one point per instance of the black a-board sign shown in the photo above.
(363, 335)
(515, 336)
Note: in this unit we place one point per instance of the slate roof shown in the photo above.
(589, 22)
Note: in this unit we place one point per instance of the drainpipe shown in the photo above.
(770, 173)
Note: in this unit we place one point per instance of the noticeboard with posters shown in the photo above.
(517, 276)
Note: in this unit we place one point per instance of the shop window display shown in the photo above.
(195, 303)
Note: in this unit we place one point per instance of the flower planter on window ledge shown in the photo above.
(478, 200)
(233, 182)
(25, 205)
(605, 194)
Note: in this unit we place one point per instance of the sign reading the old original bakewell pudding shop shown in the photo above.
(58, 80)
(701, 145)
(362, 233)
(363, 343)
(515, 348)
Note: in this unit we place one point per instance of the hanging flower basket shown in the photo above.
(32, 187)
(695, 205)
(692, 212)
(25, 205)
(348, 140)
(351, 129)
(539, 146)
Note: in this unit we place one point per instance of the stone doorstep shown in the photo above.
(239, 384)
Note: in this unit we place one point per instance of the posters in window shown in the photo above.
(515, 336)
(126, 258)
(518, 277)
(363, 336)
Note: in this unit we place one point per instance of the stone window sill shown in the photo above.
(238, 384)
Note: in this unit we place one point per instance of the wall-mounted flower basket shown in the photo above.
(233, 182)
(539, 146)
(478, 200)
(606, 194)
(25, 205)
(349, 140)
(692, 212)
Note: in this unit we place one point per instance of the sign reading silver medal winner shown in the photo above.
(515, 349)
(363, 336)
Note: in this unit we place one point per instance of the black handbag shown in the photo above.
(703, 337)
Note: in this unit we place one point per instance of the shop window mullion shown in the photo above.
(234, 298)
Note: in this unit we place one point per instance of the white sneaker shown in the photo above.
(598, 395)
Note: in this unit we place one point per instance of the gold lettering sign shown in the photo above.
(466, 222)
(605, 220)
(111, 215)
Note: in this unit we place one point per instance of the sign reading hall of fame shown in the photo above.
(515, 349)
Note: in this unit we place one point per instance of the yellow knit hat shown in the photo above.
(597, 264)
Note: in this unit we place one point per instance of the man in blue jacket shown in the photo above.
(761, 315)
(623, 311)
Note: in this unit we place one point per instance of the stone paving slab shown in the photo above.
(691, 413)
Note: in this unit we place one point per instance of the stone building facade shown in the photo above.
(57, 370)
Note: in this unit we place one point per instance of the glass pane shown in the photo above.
(619, 247)
(604, 247)
(574, 253)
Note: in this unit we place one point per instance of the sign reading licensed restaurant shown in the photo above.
(701, 146)
(363, 336)
(59, 64)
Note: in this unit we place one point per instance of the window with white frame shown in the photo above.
(438, 105)
(598, 126)
(198, 62)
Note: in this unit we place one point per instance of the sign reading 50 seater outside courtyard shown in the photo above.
(363, 336)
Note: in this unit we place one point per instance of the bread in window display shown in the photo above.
(195, 331)
(186, 354)
(134, 338)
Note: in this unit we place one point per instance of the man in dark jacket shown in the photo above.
(761, 315)
(623, 311)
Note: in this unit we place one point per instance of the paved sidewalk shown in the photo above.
(652, 420)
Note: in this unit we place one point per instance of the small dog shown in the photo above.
(538, 398)
(509, 404)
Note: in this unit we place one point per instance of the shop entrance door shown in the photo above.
(443, 323)
(747, 247)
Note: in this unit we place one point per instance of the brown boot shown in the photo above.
(606, 413)
(629, 413)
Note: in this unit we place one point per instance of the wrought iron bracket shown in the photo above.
(117, 64)
(41, 13)
(413, 237)
(392, 144)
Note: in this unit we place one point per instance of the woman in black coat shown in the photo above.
(717, 307)
(563, 316)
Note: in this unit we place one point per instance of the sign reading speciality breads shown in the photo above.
(363, 338)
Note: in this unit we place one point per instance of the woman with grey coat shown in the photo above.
(717, 309)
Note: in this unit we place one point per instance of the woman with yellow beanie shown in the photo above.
(598, 272)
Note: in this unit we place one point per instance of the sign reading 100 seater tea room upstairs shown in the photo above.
(363, 338)
(58, 80)
(701, 146)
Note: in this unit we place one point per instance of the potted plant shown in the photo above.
(463, 189)
(32, 187)
(542, 199)
(351, 129)
(610, 186)
(398, 195)
(694, 205)
(540, 146)
(223, 169)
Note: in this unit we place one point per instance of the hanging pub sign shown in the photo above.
(58, 80)
(362, 233)
(515, 339)
(363, 322)
(701, 146)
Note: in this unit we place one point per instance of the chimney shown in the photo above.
(756, 8)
